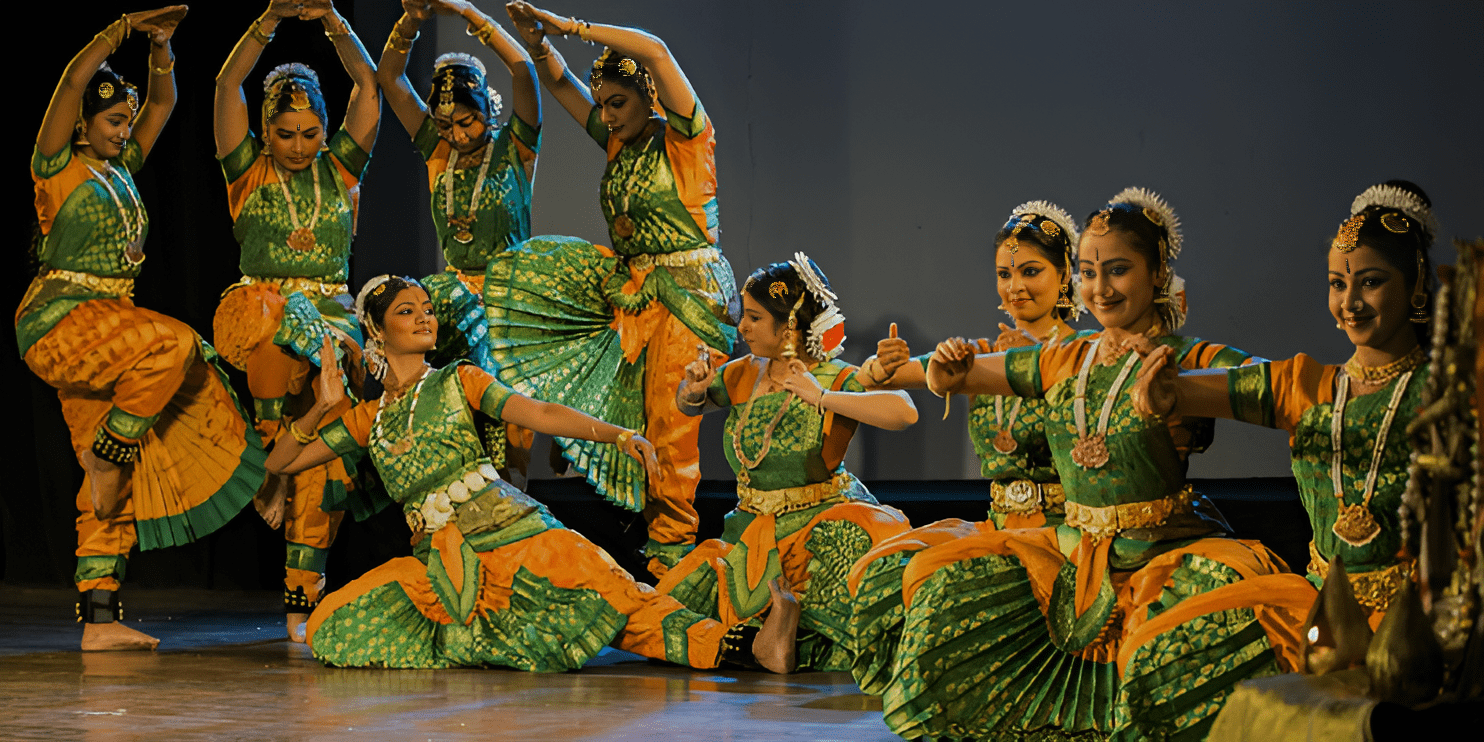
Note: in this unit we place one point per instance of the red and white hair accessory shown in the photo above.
(825, 337)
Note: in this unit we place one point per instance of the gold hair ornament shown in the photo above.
(105, 90)
(777, 290)
(1395, 223)
(1345, 239)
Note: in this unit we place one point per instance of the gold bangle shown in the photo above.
(584, 30)
(342, 30)
(167, 69)
(540, 53)
(483, 32)
(256, 31)
(115, 33)
(623, 438)
(304, 439)
(399, 43)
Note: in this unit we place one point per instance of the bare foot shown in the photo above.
(271, 500)
(114, 636)
(297, 624)
(106, 480)
(774, 647)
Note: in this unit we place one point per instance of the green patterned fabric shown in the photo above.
(795, 454)
(463, 331)
(1252, 395)
(263, 224)
(545, 629)
(550, 336)
(87, 235)
(1149, 465)
(639, 182)
(504, 208)
(981, 663)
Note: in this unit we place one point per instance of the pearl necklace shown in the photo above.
(1354, 524)
(404, 444)
(1091, 452)
(302, 238)
(133, 228)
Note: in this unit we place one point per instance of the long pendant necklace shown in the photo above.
(623, 224)
(133, 228)
(302, 238)
(403, 444)
(1004, 442)
(1091, 452)
(464, 227)
(1354, 524)
(750, 463)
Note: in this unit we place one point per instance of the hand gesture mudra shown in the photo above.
(1154, 392)
(1011, 337)
(698, 375)
(956, 355)
(328, 388)
(640, 449)
(892, 352)
(802, 383)
(159, 24)
(418, 9)
(543, 21)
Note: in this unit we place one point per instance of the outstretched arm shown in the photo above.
(230, 118)
(888, 410)
(956, 369)
(565, 422)
(363, 113)
(1162, 389)
(58, 124)
(391, 71)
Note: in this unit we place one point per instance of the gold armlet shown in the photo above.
(304, 439)
(584, 30)
(256, 31)
(399, 43)
(167, 69)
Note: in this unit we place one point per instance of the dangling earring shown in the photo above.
(1065, 300)
(80, 133)
(1420, 314)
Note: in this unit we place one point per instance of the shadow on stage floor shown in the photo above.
(222, 672)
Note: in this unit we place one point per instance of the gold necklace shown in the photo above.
(1004, 440)
(133, 228)
(389, 397)
(1091, 451)
(464, 227)
(748, 463)
(1354, 524)
(302, 238)
(1377, 375)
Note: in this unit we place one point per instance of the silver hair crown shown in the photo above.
(1401, 199)
(828, 317)
(1145, 198)
(292, 69)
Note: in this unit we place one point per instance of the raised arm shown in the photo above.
(57, 126)
(567, 88)
(159, 101)
(391, 71)
(363, 113)
(645, 48)
(230, 120)
(527, 103)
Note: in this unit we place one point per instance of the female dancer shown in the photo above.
(495, 579)
(1034, 261)
(294, 214)
(478, 172)
(1347, 423)
(167, 452)
(1131, 618)
(800, 515)
(669, 284)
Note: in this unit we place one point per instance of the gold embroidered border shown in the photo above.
(790, 499)
(1023, 496)
(1100, 522)
(682, 259)
(1373, 589)
(112, 285)
(289, 284)
(472, 281)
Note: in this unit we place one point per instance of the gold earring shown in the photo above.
(1065, 300)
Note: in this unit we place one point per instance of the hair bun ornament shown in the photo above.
(826, 336)
(1400, 199)
(1157, 211)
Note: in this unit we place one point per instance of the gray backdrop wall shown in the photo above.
(890, 140)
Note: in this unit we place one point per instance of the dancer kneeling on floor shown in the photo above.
(495, 579)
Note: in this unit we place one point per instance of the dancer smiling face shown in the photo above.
(1119, 280)
(104, 135)
(408, 325)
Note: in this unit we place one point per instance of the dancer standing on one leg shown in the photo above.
(293, 196)
(663, 288)
(480, 175)
(167, 452)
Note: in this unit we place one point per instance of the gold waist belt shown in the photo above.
(119, 286)
(1101, 522)
(473, 281)
(1022, 496)
(789, 499)
(290, 284)
(682, 259)
(1372, 589)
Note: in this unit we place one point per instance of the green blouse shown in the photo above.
(261, 218)
(504, 208)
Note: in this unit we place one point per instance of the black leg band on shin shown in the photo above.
(99, 606)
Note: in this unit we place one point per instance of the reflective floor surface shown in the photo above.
(223, 672)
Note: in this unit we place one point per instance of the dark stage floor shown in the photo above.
(222, 672)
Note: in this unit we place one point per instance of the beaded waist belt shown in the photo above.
(1101, 522)
(474, 281)
(682, 259)
(1372, 589)
(290, 284)
(789, 499)
(1022, 496)
(119, 286)
(442, 505)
